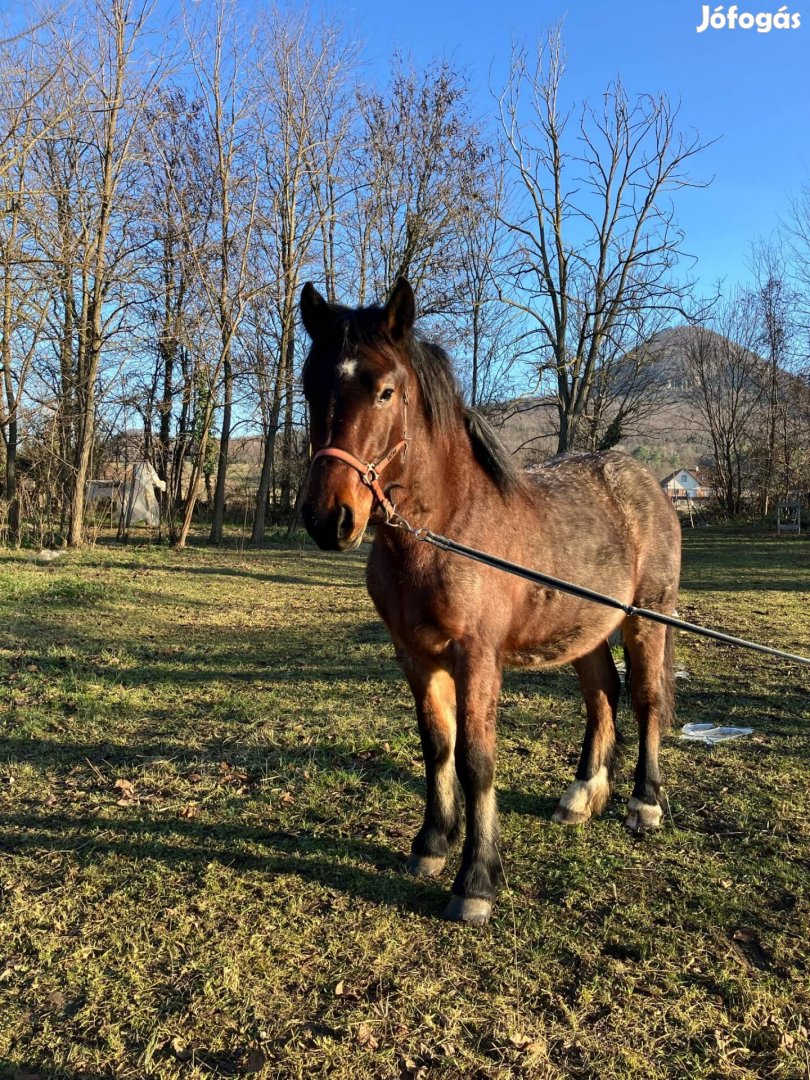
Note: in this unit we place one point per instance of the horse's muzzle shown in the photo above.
(337, 531)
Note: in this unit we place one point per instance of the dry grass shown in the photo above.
(208, 781)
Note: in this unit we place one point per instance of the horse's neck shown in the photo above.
(440, 476)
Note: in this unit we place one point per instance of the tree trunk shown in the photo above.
(88, 365)
(268, 460)
(565, 440)
(12, 495)
(10, 433)
(287, 443)
(218, 518)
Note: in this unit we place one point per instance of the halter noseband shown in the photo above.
(369, 470)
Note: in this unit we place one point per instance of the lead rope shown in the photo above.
(444, 543)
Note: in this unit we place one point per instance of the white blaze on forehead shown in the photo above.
(347, 369)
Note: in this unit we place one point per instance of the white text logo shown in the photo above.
(763, 21)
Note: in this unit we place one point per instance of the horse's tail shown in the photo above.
(668, 682)
(628, 671)
(667, 698)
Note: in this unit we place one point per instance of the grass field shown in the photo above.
(209, 778)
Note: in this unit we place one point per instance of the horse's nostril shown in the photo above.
(345, 523)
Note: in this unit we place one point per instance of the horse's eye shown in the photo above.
(387, 394)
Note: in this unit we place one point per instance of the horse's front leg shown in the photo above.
(478, 684)
(435, 695)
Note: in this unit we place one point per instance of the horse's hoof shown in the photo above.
(425, 865)
(643, 817)
(468, 909)
(583, 798)
(563, 816)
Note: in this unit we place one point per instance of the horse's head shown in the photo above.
(357, 381)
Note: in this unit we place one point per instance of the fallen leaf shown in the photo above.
(255, 1061)
(748, 947)
(56, 999)
(189, 811)
(179, 1049)
(520, 1042)
(339, 989)
(365, 1036)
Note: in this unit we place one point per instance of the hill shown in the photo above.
(671, 434)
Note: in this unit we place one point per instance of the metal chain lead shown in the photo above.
(444, 543)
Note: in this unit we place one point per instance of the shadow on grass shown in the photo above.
(715, 565)
(27, 1068)
(309, 849)
(318, 859)
(261, 576)
(779, 710)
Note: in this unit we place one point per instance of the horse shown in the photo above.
(384, 401)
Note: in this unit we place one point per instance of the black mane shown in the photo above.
(441, 394)
(442, 397)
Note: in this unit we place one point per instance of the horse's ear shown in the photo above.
(400, 311)
(315, 312)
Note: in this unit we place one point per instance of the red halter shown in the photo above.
(369, 470)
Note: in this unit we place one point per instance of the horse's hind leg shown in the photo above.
(478, 683)
(590, 790)
(435, 695)
(649, 648)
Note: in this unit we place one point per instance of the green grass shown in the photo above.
(209, 777)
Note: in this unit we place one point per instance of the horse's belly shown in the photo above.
(550, 653)
(562, 634)
(535, 659)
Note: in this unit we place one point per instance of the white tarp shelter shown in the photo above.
(134, 498)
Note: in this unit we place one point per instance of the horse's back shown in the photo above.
(613, 502)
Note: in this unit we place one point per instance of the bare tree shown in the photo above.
(630, 382)
(24, 300)
(302, 78)
(489, 344)
(85, 160)
(797, 237)
(776, 304)
(727, 391)
(593, 228)
(31, 80)
(221, 58)
(175, 216)
(419, 165)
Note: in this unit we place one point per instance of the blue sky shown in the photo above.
(748, 90)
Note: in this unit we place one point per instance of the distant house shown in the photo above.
(685, 485)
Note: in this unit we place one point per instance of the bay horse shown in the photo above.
(383, 401)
